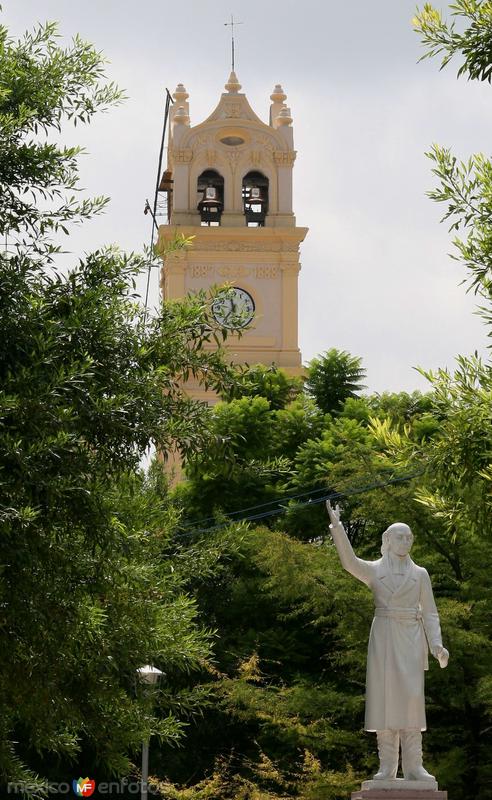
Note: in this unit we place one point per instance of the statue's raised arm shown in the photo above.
(404, 629)
(356, 566)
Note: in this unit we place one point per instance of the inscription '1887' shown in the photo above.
(201, 270)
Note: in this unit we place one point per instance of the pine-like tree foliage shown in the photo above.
(334, 377)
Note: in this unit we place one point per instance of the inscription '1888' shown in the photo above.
(267, 271)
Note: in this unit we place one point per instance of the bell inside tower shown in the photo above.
(210, 192)
(255, 199)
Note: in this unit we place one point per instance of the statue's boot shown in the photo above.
(411, 756)
(388, 749)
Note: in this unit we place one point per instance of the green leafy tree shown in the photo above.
(271, 383)
(248, 463)
(471, 39)
(88, 383)
(347, 459)
(239, 466)
(250, 458)
(42, 85)
(465, 187)
(334, 377)
(300, 421)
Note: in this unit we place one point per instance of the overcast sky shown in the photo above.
(376, 279)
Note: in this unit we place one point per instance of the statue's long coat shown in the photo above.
(405, 626)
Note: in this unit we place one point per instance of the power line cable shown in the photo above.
(282, 510)
(282, 499)
(259, 505)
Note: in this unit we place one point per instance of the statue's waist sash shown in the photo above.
(398, 613)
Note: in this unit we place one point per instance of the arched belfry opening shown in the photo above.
(255, 199)
(210, 194)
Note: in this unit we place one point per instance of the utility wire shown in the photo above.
(153, 210)
(259, 505)
(282, 510)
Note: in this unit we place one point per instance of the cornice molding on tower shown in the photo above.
(243, 239)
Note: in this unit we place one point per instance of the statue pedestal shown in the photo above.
(399, 789)
(399, 784)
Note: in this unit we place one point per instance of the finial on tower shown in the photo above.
(233, 86)
(284, 118)
(278, 95)
(278, 115)
(181, 116)
(180, 94)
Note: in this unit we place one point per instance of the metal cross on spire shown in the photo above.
(231, 25)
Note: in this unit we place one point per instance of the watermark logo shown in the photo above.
(83, 787)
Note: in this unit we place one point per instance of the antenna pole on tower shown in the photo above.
(231, 25)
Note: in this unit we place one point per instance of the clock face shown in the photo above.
(233, 308)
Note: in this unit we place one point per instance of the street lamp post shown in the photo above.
(150, 677)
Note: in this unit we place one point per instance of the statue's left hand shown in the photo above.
(442, 656)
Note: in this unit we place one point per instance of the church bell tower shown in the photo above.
(229, 184)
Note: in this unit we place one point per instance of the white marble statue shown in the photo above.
(405, 626)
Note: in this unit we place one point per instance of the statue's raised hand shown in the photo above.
(333, 513)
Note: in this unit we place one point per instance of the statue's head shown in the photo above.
(397, 539)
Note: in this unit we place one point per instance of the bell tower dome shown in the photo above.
(229, 184)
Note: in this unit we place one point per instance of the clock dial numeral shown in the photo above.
(233, 308)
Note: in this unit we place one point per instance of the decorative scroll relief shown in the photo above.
(233, 158)
(266, 142)
(229, 272)
(232, 110)
(182, 156)
(283, 159)
(248, 247)
(201, 140)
